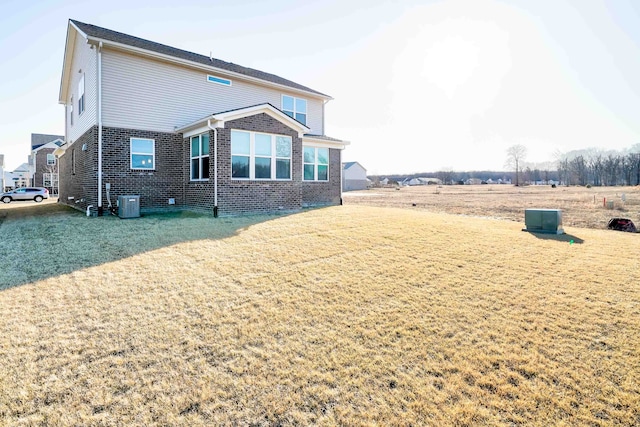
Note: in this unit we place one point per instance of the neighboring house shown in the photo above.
(43, 162)
(187, 130)
(21, 176)
(354, 177)
(423, 181)
(2, 187)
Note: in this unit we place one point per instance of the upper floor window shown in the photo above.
(81, 95)
(315, 164)
(295, 107)
(260, 156)
(51, 159)
(219, 80)
(200, 157)
(143, 153)
(71, 111)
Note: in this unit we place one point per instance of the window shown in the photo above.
(200, 157)
(143, 153)
(81, 95)
(219, 80)
(260, 156)
(315, 164)
(71, 111)
(51, 159)
(50, 180)
(73, 161)
(295, 107)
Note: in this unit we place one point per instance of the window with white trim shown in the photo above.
(49, 179)
(260, 156)
(315, 163)
(295, 107)
(81, 95)
(218, 80)
(51, 159)
(200, 157)
(71, 110)
(143, 153)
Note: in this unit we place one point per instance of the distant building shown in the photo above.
(20, 177)
(422, 181)
(354, 177)
(43, 163)
(1, 173)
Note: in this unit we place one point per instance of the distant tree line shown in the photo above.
(600, 169)
(580, 167)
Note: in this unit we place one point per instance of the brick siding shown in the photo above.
(42, 167)
(81, 185)
(171, 177)
(318, 193)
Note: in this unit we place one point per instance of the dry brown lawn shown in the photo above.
(351, 315)
(581, 206)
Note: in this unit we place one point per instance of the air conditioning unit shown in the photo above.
(543, 221)
(129, 206)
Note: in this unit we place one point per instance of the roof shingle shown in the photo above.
(117, 37)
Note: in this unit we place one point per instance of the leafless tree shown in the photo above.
(516, 154)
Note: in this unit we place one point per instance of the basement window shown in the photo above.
(218, 80)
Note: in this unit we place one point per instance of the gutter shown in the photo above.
(100, 129)
(215, 168)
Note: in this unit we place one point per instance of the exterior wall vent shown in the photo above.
(129, 206)
(543, 221)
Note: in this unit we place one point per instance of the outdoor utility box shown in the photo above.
(543, 221)
(129, 206)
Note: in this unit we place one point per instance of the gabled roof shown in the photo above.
(220, 118)
(40, 139)
(22, 168)
(105, 35)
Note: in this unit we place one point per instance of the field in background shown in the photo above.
(351, 315)
(581, 206)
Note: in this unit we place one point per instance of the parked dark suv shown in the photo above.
(26, 193)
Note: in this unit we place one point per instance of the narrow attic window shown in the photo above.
(219, 80)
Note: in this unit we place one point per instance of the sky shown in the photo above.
(417, 85)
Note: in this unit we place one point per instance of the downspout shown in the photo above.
(100, 129)
(215, 168)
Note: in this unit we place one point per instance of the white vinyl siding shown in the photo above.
(83, 68)
(147, 94)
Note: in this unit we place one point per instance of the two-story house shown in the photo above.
(186, 130)
(44, 168)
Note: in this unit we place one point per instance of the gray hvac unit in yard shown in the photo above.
(129, 206)
(543, 221)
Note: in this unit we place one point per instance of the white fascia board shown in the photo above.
(51, 144)
(267, 109)
(195, 131)
(69, 47)
(219, 120)
(197, 124)
(323, 143)
(197, 65)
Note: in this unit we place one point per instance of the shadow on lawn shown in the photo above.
(42, 241)
(569, 238)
